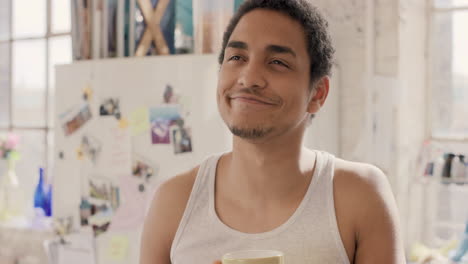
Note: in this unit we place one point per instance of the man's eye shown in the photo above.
(236, 58)
(278, 62)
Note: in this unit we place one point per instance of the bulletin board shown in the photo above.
(122, 126)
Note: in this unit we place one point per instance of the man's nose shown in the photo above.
(252, 76)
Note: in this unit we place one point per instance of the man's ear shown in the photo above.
(319, 94)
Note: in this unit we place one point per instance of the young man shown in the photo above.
(270, 192)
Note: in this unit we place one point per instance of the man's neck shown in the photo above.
(263, 173)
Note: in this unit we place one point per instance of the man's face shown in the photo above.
(264, 80)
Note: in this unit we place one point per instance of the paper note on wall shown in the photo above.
(117, 249)
(79, 248)
(139, 121)
(115, 157)
(131, 212)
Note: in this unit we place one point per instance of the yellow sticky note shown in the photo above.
(79, 154)
(117, 249)
(123, 123)
(139, 121)
(88, 92)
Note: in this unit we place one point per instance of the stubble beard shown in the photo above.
(250, 133)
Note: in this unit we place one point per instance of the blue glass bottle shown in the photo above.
(39, 194)
(48, 203)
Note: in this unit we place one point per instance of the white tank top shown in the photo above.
(309, 236)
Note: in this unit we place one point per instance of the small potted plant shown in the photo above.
(8, 152)
(8, 180)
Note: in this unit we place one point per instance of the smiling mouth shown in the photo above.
(251, 100)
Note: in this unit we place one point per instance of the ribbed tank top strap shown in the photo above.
(199, 185)
(328, 174)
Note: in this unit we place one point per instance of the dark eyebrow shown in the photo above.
(280, 49)
(237, 45)
(271, 48)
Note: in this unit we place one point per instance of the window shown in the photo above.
(449, 69)
(34, 37)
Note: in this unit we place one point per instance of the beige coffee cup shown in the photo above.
(254, 257)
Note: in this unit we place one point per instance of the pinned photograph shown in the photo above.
(99, 205)
(75, 119)
(182, 139)
(96, 214)
(169, 95)
(143, 169)
(100, 228)
(99, 188)
(161, 119)
(160, 132)
(87, 93)
(90, 148)
(103, 189)
(110, 107)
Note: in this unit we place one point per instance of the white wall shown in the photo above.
(412, 112)
(324, 131)
(381, 48)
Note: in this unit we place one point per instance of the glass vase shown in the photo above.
(11, 198)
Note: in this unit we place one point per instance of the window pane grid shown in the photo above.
(46, 24)
(444, 4)
(5, 84)
(51, 35)
(449, 73)
(5, 19)
(29, 18)
(29, 82)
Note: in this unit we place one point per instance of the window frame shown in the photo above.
(49, 35)
(433, 10)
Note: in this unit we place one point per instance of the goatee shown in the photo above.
(251, 133)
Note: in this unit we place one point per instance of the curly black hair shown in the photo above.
(319, 44)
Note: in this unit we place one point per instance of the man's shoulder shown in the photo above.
(366, 208)
(179, 185)
(164, 216)
(170, 199)
(361, 190)
(356, 176)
